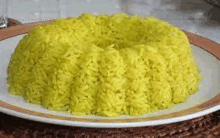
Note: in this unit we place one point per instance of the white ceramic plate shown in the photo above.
(207, 100)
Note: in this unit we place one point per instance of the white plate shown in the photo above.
(207, 100)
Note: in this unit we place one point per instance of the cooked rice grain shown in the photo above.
(104, 65)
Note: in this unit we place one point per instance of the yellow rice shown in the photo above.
(104, 65)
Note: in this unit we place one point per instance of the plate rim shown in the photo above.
(109, 125)
(207, 107)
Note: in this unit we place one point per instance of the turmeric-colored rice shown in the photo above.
(104, 65)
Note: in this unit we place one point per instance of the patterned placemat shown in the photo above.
(215, 3)
(203, 127)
